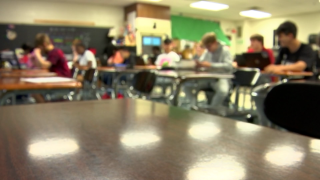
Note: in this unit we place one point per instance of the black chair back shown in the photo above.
(89, 75)
(246, 76)
(144, 82)
(295, 107)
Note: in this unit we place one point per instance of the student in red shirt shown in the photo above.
(56, 62)
(257, 45)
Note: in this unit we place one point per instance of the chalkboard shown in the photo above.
(12, 36)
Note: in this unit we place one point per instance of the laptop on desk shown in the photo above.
(10, 56)
(256, 60)
(240, 60)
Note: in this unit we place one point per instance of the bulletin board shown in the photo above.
(14, 35)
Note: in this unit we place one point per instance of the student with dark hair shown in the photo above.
(156, 51)
(169, 58)
(127, 56)
(293, 55)
(56, 62)
(86, 57)
(257, 46)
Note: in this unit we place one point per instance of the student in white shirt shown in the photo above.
(169, 58)
(86, 58)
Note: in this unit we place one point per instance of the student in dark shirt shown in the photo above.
(128, 57)
(56, 61)
(156, 51)
(293, 55)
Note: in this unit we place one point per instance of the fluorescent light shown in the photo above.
(152, 0)
(255, 14)
(209, 5)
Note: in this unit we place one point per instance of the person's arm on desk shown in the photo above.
(42, 63)
(305, 60)
(225, 64)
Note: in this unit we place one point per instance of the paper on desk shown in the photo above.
(47, 80)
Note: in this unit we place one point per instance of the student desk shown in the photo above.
(117, 73)
(289, 74)
(183, 76)
(142, 140)
(27, 74)
(22, 70)
(14, 87)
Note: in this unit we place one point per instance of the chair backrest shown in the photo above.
(144, 82)
(246, 76)
(90, 75)
(295, 107)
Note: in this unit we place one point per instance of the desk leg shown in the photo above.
(177, 92)
(113, 93)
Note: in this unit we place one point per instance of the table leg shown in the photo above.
(177, 92)
(5, 96)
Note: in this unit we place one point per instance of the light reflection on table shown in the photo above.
(221, 167)
(53, 147)
(284, 156)
(314, 145)
(135, 139)
(247, 128)
(203, 131)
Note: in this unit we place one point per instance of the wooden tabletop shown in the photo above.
(22, 70)
(290, 73)
(141, 140)
(17, 84)
(148, 67)
(193, 75)
(29, 73)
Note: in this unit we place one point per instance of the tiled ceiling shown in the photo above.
(275, 7)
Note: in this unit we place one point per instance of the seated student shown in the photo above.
(187, 53)
(169, 57)
(86, 59)
(200, 51)
(29, 56)
(75, 57)
(127, 56)
(156, 51)
(56, 62)
(121, 56)
(257, 46)
(116, 58)
(217, 57)
(293, 55)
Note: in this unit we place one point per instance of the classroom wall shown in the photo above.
(145, 28)
(225, 25)
(26, 11)
(307, 24)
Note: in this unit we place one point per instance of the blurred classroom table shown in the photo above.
(12, 84)
(137, 139)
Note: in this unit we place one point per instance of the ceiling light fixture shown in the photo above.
(151, 0)
(255, 14)
(209, 5)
